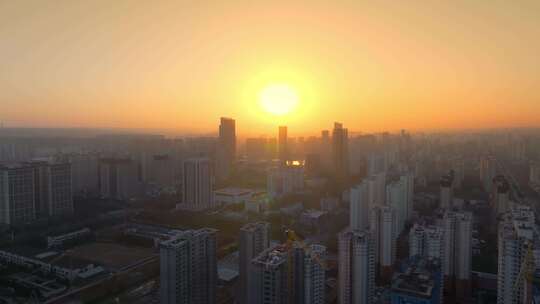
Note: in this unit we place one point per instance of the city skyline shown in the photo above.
(181, 66)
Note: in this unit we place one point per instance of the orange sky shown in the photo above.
(373, 65)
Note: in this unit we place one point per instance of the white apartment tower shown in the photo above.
(457, 251)
(17, 196)
(384, 230)
(314, 275)
(254, 239)
(356, 267)
(289, 273)
(399, 195)
(360, 207)
(198, 181)
(188, 268)
(519, 244)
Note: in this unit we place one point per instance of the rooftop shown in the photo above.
(273, 256)
(418, 277)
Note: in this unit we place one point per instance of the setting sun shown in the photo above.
(278, 99)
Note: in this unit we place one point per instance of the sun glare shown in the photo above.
(278, 99)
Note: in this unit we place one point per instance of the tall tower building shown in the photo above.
(377, 189)
(59, 190)
(188, 268)
(326, 150)
(314, 275)
(289, 274)
(53, 188)
(283, 149)
(458, 251)
(399, 195)
(226, 150)
(360, 207)
(500, 201)
(383, 228)
(340, 150)
(254, 239)
(356, 267)
(197, 184)
(519, 244)
(17, 196)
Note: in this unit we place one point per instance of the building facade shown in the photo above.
(356, 267)
(188, 268)
(254, 239)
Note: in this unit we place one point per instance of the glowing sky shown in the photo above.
(373, 65)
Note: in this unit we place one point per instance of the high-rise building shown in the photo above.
(59, 189)
(426, 241)
(360, 207)
(399, 195)
(500, 200)
(457, 252)
(271, 280)
(519, 249)
(289, 274)
(226, 149)
(17, 195)
(118, 178)
(53, 188)
(35, 189)
(356, 267)
(326, 150)
(383, 228)
(286, 179)
(418, 281)
(340, 150)
(254, 239)
(198, 181)
(314, 275)
(283, 149)
(447, 192)
(188, 268)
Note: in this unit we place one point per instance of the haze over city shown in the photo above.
(180, 66)
(269, 152)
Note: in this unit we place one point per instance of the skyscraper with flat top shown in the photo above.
(283, 151)
(383, 228)
(188, 268)
(226, 150)
(340, 151)
(254, 239)
(360, 207)
(356, 267)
